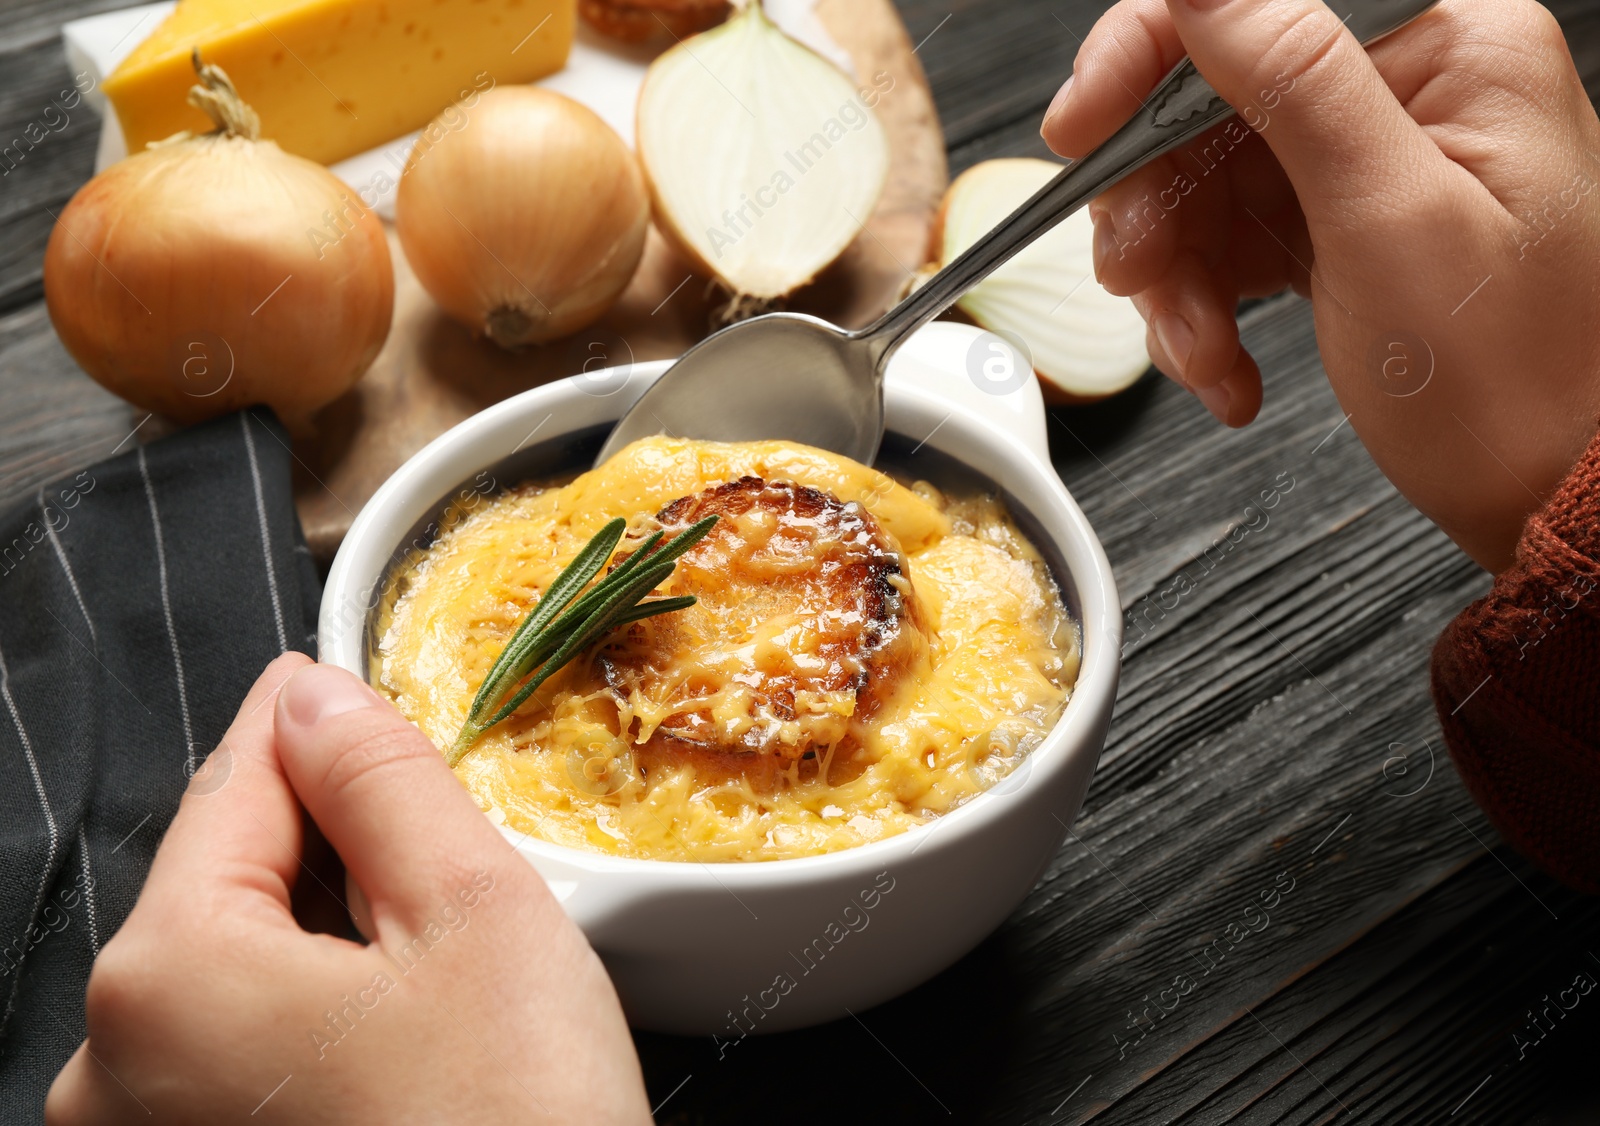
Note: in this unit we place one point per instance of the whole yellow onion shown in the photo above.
(208, 273)
(525, 218)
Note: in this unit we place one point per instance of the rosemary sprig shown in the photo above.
(565, 622)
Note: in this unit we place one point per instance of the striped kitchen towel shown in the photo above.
(139, 600)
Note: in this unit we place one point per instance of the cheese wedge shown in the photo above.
(332, 78)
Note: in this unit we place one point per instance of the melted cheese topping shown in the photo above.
(569, 766)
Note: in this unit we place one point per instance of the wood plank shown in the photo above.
(45, 155)
(32, 23)
(993, 64)
(56, 419)
(1404, 1025)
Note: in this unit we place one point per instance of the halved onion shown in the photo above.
(1086, 343)
(763, 160)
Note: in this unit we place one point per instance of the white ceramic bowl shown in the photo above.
(728, 949)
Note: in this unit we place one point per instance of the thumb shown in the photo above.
(409, 834)
(1299, 78)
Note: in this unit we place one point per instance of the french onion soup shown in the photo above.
(835, 657)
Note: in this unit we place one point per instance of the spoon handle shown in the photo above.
(1179, 110)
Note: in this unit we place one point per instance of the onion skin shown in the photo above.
(160, 277)
(526, 222)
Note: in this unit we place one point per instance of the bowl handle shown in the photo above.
(978, 374)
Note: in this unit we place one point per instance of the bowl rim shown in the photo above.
(1076, 732)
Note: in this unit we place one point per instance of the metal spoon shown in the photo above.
(791, 376)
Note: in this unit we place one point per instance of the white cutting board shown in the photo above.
(602, 73)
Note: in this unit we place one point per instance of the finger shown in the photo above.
(1493, 84)
(1299, 77)
(72, 1098)
(1193, 193)
(1127, 52)
(1229, 202)
(1137, 226)
(1503, 60)
(1190, 311)
(1160, 360)
(1411, 58)
(84, 1093)
(407, 830)
(238, 825)
(1234, 401)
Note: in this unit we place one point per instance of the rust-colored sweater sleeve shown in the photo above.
(1516, 679)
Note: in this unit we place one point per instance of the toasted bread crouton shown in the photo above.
(806, 622)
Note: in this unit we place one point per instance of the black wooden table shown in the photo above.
(1274, 734)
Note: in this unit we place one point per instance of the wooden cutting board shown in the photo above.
(432, 372)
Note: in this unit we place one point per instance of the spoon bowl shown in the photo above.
(725, 389)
